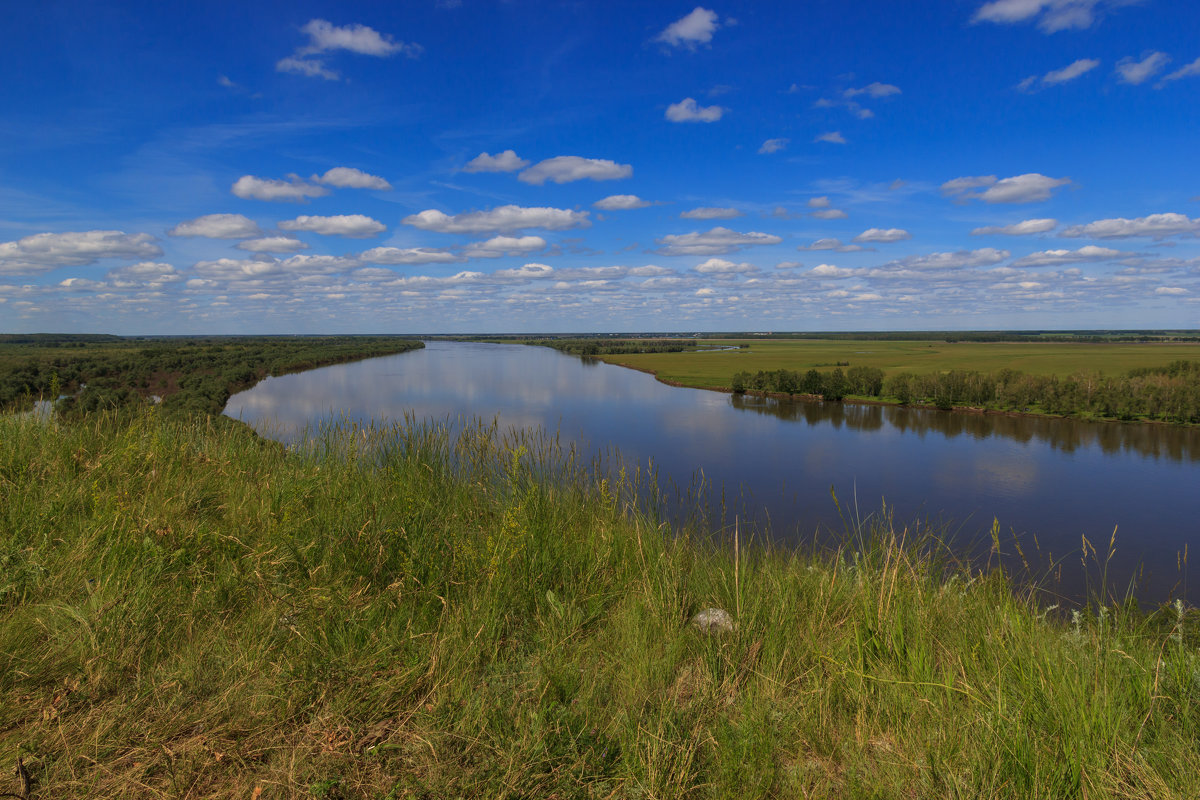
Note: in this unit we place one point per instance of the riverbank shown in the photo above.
(190, 611)
(1168, 394)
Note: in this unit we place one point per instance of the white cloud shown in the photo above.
(217, 226)
(499, 246)
(1051, 15)
(1052, 258)
(832, 244)
(1154, 225)
(819, 202)
(687, 110)
(964, 186)
(695, 29)
(500, 219)
(1186, 71)
(834, 137)
(1067, 73)
(715, 242)
(324, 37)
(719, 266)
(830, 213)
(884, 235)
(310, 67)
(293, 190)
(873, 90)
(1023, 228)
(1137, 72)
(830, 271)
(508, 161)
(1028, 188)
(354, 226)
(273, 244)
(565, 169)
(944, 261)
(708, 212)
(1171, 290)
(773, 146)
(408, 255)
(351, 178)
(145, 273)
(621, 202)
(43, 252)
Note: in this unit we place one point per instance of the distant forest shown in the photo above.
(1166, 394)
(188, 374)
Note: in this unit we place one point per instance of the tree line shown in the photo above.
(1169, 393)
(190, 375)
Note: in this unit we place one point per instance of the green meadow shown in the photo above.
(715, 369)
(189, 611)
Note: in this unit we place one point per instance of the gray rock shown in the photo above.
(713, 620)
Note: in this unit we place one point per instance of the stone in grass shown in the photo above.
(713, 620)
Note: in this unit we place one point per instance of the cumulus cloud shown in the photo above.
(499, 246)
(1138, 72)
(1051, 15)
(502, 219)
(983, 257)
(884, 235)
(773, 146)
(1031, 187)
(294, 190)
(409, 255)
(718, 241)
(832, 244)
(1156, 226)
(719, 266)
(873, 90)
(1057, 76)
(565, 169)
(354, 226)
(830, 213)
(819, 202)
(1023, 228)
(151, 274)
(830, 271)
(508, 161)
(621, 202)
(1052, 258)
(351, 178)
(324, 37)
(43, 252)
(695, 29)
(273, 244)
(834, 137)
(708, 212)
(217, 226)
(1188, 71)
(688, 110)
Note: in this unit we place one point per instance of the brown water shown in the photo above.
(1048, 482)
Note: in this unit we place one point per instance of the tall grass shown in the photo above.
(189, 611)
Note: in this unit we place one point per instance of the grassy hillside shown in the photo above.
(188, 611)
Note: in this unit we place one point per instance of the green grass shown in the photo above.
(715, 369)
(189, 611)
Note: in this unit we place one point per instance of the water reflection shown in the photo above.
(773, 464)
(1156, 441)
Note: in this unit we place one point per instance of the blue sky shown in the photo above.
(463, 166)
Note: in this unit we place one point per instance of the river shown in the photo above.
(1047, 482)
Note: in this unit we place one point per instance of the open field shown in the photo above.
(715, 369)
(189, 611)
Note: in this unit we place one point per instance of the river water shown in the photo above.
(1047, 482)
